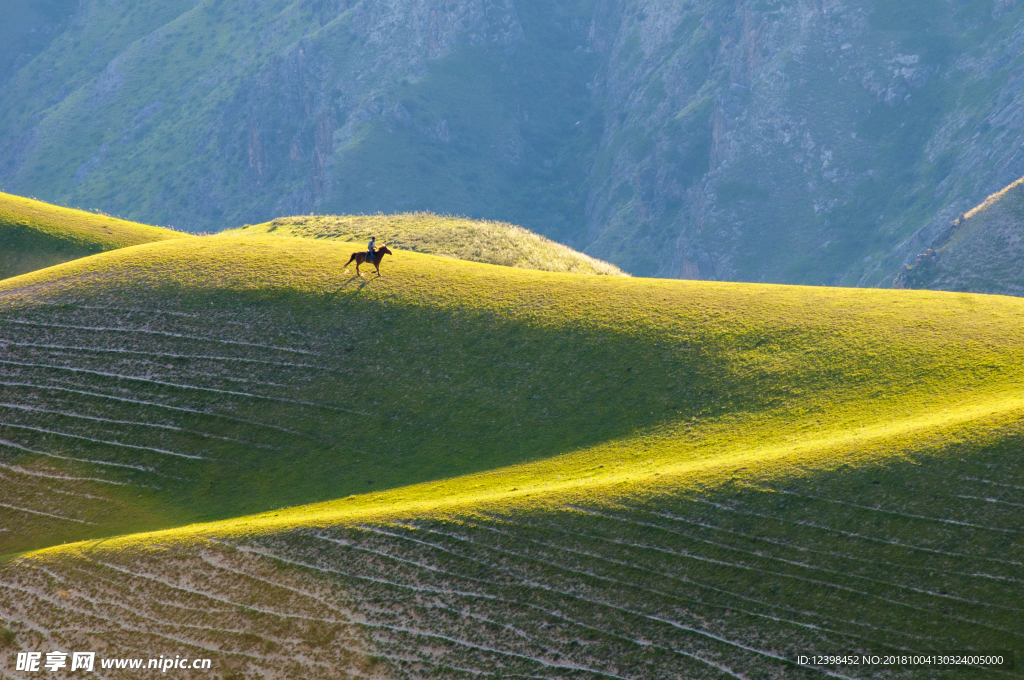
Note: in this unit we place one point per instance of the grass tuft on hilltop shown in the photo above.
(35, 235)
(457, 237)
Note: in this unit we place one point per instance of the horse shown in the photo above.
(360, 258)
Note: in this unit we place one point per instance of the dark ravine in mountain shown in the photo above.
(797, 141)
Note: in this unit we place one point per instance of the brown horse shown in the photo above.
(360, 258)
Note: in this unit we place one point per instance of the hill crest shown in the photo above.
(35, 235)
(462, 238)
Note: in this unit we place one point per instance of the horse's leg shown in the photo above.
(377, 265)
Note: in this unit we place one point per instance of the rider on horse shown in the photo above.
(373, 255)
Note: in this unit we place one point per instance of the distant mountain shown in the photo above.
(799, 141)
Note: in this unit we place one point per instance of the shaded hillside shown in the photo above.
(28, 28)
(472, 240)
(34, 235)
(982, 250)
(762, 140)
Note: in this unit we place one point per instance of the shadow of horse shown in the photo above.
(345, 284)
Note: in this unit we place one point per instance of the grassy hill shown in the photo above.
(35, 235)
(464, 239)
(500, 471)
(983, 250)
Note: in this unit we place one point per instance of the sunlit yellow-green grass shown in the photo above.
(34, 235)
(446, 369)
(464, 239)
(639, 468)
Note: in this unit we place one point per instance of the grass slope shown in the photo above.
(571, 476)
(982, 252)
(35, 235)
(464, 239)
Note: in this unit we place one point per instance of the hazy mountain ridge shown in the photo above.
(979, 251)
(792, 141)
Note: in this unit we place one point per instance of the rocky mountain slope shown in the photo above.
(981, 250)
(801, 141)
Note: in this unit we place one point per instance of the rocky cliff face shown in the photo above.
(802, 141)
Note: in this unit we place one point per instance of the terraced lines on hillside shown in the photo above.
(139, 399)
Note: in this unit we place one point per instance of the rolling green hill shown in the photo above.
(35, 235)
(462, 470)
